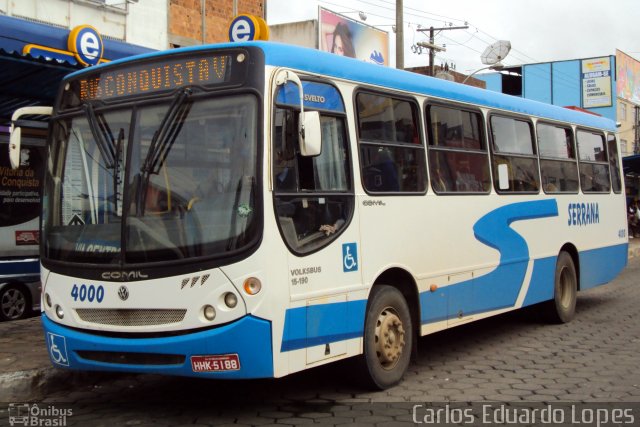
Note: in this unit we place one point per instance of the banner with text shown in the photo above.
(596, 82)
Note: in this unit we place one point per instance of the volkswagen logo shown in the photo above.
(123, 293)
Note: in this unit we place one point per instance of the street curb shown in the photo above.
(25, 385)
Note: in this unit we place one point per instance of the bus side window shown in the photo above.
(391, 154)
(513, 145)
(558, 163)
(312, 195)
(614, 163)
(594, 166)
(458, 159)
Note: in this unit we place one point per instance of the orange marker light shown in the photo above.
(252, 286)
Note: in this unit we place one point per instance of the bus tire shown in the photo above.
(15, 302)
(388, 338)
(562, 308)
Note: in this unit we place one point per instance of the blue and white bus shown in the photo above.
(252, 210)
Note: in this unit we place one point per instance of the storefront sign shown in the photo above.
(84, 45)
(246, 28)
(596, 82)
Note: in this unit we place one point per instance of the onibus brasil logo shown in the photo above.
(26, 414)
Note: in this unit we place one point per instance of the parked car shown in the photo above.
(19, 297)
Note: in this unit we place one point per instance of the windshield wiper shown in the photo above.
(100, 130)
(167, 133)
(117, 170)
(162, 142)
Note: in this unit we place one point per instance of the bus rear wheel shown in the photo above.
(388, 338)
(562, 308)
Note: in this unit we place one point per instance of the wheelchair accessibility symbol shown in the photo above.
(349, 257)
(58, 349)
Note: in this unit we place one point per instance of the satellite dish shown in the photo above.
(495, 52)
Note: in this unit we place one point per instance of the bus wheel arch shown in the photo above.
(389, 330)
(406, 284)
(573, 252)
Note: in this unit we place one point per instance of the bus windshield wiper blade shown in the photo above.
(161, 143)
(167, 133)
(117, 169)
(99, 131)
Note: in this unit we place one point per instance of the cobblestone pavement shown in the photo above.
(515, 357)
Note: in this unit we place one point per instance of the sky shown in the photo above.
(539, 30)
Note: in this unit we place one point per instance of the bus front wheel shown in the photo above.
(388, 338)
(563, 306)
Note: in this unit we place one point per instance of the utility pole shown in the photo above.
(399, 35)
(432, 47)
(636, 125)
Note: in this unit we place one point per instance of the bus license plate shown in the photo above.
(215, 363)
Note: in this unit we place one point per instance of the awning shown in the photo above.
(631, 165)
(34, 59)
(27, 81)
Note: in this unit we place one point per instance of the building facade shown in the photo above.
(141, 23)
(192, 22)
(607, 85)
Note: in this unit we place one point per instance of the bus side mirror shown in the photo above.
(309, 131)
(310, 134)
(14, 147)
(16, 131)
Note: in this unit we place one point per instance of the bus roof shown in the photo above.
(315, 61)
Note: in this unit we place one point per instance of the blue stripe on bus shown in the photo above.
(542, 278)
(497, 289)
(248, 337)
(323, 324)
(600, 266)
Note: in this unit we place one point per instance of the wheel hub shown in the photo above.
(13, 304)
(389, 338)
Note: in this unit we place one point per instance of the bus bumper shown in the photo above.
(241, 349)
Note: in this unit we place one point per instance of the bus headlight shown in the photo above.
(59, 312)
(230, 299)
(252, 286)
(209, 312)
(47, 300)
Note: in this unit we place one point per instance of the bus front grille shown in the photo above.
(131, 317)
(122, 358)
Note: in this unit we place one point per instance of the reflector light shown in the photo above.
(252, 285)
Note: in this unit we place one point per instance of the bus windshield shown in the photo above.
(158, 182)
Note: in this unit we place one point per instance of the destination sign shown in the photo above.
(165, 74)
